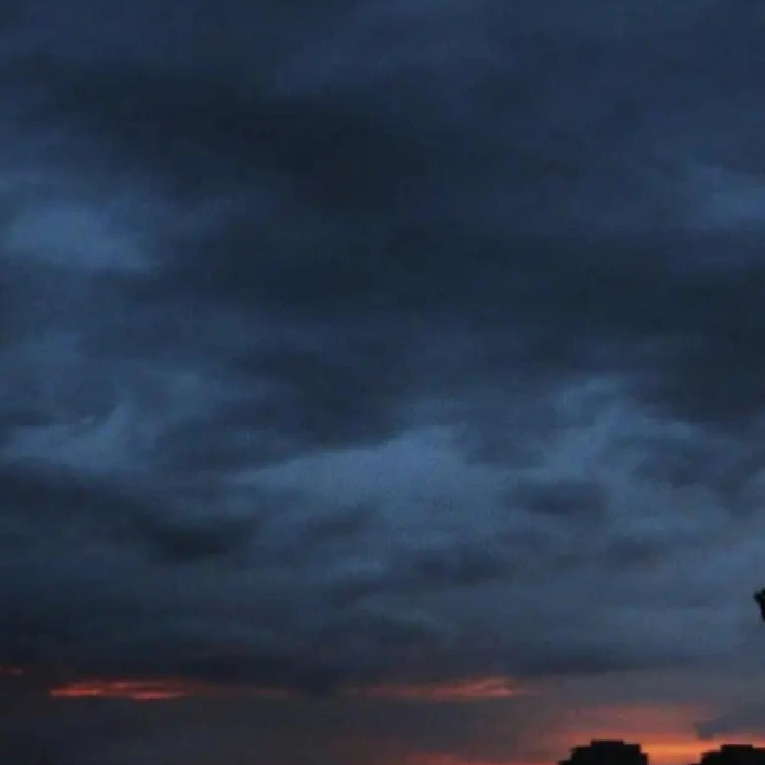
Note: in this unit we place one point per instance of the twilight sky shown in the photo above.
(381, 381)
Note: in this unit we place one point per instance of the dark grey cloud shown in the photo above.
(744, 719)
(579, 501)
(350, 338)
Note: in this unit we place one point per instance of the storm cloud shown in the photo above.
(352, 340)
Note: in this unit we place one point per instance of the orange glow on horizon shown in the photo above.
(476, 689)
(680, 751)
(686, 752)
(690, 750)
(665, 733)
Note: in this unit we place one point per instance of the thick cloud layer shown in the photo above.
(347, 341)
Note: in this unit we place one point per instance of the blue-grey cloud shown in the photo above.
(359, 338)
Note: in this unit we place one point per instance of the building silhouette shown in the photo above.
(610, 752)
(734, 754)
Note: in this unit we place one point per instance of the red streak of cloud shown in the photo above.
(157, 690)
(135, 690)
(480, 689)
(477, 689)
(10, 671)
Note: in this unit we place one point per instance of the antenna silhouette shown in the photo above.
(759, 598)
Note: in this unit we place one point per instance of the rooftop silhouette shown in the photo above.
(759, 598)
(618, 752)
(605, 752)
(734, 754)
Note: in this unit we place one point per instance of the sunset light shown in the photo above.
(382, 382)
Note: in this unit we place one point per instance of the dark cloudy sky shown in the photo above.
(385, 376)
